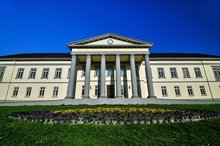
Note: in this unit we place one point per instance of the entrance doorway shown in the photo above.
(110, 91)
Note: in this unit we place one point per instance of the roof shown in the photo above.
(82, 43)
(67, 56)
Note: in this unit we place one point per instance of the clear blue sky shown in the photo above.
(31, 26)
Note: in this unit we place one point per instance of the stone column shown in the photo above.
(118, 77)
(71, 84)
(87, 77)
(102, 80)
(149, 77)
(133, 77)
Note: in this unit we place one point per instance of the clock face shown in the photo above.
(110, 41)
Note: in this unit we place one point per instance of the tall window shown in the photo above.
(15, 91)
(45, 73)
(161, 73)
(198, 72)
(123, 71)
(55, 91)
(97, 71)
(173, 72)
(58, 73)
(42, 91)
(20, 73)
(190, 90)
(216, 71)
(32, 73)
(164, 90)
(28, 91)
(97, 90)
(2, 70)
(202, 90)
(124, 90)
(68, 74)
(83, 70)
(82, 90)
(185, 72)
(177, 90)
(110, 71)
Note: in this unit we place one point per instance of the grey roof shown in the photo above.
(67, 56)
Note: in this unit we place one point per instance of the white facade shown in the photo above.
(17, 82)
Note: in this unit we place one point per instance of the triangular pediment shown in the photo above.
(110, 40)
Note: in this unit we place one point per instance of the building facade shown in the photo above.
(109, 66)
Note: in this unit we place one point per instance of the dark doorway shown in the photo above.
(110, 91)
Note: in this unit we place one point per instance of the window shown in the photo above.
(68, 74)
(177, 90)
(161, 73)
(190, 90)
(202, 90)
(2, 70)
(15, 91)
(123, 72)
(83, 71)
(110, 72)
(97, 71)
(45, 73)
(28, 91)
(55, 91)
(164, 90)
(124, 90)
(216, 71)
(20, 73)
(82, 90)
(97, 90)
(42, 91)
(185, 72)
(198, 72)
(58, 73)
(173, 73)
(32, 73)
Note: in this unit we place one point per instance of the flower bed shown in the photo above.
(115, 115)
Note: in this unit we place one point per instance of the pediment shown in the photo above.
(110, 40)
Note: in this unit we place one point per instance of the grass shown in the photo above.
(16, 132)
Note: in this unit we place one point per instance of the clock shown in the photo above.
(110, 41)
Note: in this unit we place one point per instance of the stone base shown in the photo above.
(118, 96)
(135, 97)
(69, 97)
(152, 97)
(102, 97)
(86, 97)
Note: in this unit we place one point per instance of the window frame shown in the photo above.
(190, 91)
(20, 73)
(32, 74)
(164, 91)
(177, 90)
(58, 73)
(42, 92)
(173, 72)
(186, 73)
(43, 76)
(202, 90)
(28, 91)
(2, 72)
(160, 72)
(55, 91)
(198, 72)
(15, 92)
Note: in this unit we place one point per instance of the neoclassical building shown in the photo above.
(109, 66)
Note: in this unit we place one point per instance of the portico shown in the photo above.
(110, 49)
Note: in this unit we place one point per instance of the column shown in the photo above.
(102, 80)
(87, 77)
(149, 77)
(72, 78)
(118, 77)
(133, 77)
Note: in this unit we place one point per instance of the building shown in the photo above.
(109, 66)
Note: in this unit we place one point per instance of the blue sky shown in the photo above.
(33, 26)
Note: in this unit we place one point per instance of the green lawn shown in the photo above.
(15, 132)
